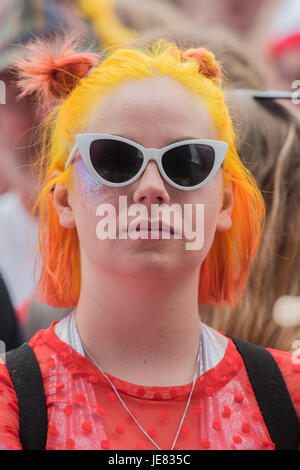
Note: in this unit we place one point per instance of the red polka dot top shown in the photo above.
(85, 413)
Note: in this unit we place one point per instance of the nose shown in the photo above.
(151, 187)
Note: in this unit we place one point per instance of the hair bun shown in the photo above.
(206, 61)
(52, 69)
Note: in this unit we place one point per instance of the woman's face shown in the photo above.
(153, 113)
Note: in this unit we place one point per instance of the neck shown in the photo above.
(144, 331)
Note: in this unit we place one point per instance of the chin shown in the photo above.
(152, 258)
(149, 263)
(160, 264)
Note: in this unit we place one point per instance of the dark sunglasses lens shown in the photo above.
(189, 165)
(116, 162)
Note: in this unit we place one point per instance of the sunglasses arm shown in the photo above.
(71, 156)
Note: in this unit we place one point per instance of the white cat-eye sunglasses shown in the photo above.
(116, 161)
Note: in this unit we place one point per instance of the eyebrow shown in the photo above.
(181, 139)
(184, 138)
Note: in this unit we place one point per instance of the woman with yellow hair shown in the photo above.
(140, 159)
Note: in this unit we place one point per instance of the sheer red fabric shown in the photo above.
(85, 413)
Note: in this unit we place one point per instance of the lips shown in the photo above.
(155, 226)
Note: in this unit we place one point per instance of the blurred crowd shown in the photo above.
(257, 42)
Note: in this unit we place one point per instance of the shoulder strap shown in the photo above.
(26, 377)
(271, 394)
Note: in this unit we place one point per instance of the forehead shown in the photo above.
(153, 112)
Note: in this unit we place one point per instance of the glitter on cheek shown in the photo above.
(91, 189)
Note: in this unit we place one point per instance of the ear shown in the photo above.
(224, 222)
(61, 200)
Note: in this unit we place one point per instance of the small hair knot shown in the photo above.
(51, 69)
(206, 61)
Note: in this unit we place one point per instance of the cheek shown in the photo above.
(91, 190)
(210, 197)
(212, 204)
(213, 198)
(86, 195)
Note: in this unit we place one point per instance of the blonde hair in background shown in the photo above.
(268, 142)
(142, 16)
(269, 145)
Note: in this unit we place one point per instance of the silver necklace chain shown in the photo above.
(126, 407)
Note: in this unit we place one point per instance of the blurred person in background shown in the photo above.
(11, 333)
(284, 42)
(242, 18)
(248, 20)
(269, 144)
(268, 136)
(117, 22)
(19, 121)
(238, 16)
(17, 227)
(148, 15)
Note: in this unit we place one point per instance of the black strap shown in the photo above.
(10, 330)
(271, 394)
(26, 377)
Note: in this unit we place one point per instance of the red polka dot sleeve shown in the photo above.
(85, 413)
(9, 412)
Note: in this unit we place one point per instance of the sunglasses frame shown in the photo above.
(264, 94)
(83, 143)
